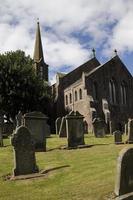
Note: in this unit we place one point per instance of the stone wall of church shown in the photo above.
(116, 71)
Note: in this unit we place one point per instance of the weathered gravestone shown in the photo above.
(126, 129)
(130, 131)
(58, 124)
(19, 119)
(36, 122)
(62, 131)
(118, 137)
(1, 129)
(85, 127)
(99, 127)
(75, 129)
(124, 176)
(24, 152)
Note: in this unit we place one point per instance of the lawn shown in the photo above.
(83, 174)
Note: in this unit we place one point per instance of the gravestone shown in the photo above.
(99, 127)
(130, 132)
(118, 137)
(62, 131)
(75, 129)
(57, 125)
(19, 119)
(85, 127)
(124, 176)
(1, 129)
(24, 152)
(126, 129)
(36, 122)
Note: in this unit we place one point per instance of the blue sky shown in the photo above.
(70, 29)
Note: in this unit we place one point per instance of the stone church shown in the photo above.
(96, 90)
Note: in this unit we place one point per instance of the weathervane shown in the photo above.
(94, 52)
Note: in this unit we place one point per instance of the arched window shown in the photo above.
(95, 91)
(123, 91)
(70, 98)
(112, 91)
(76, 96)
(80, 94)
(66, 100)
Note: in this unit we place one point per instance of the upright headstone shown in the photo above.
(1, 129)
(24, 152)
(57, 125)
(117, 137)
(99, 127)
(124, 176)
(126, 129)
(130, 131)
(85, 127)
(19, 119)
(75, 129)
(36, 122)
(62, 131)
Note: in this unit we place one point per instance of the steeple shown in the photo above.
(41, 67)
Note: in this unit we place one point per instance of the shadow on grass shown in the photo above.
(40, 174)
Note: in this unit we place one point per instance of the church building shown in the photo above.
(96, 90)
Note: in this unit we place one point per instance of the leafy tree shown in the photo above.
(20, 88)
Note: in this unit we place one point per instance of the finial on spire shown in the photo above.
(38, 20)
(94, 52)
(115, 52)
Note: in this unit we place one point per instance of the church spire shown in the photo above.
(38, 51)
(41, 67)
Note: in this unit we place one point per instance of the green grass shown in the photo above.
(90, 174)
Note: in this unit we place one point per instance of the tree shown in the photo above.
(20, 88)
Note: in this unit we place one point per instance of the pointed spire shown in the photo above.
(38, 51)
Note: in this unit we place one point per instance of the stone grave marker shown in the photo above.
(24, 152)
(19, 119)
(99, 127)
(118, 137)
(124, 176)
(75, 129)
(57, 125)
(85, 127)
(1, 129)
(36, 122)
(130, 131)
(62, 131)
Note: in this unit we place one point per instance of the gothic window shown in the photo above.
(76, 96)
(41, 71)
(80, 93)
(95, 91)
(123, 90)
(112, 91)
(70, 98)
(66, 100)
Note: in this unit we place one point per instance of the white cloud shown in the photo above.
(107, 23)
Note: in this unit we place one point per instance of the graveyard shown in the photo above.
(86, 173)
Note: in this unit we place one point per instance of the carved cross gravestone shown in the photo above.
(75, 129)
(24, 152)
(124, 176)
